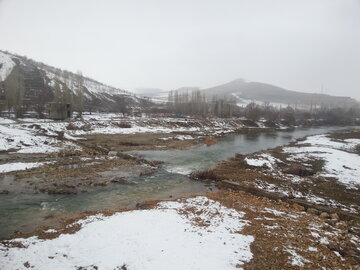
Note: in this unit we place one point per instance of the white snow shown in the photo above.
(161, 238)
(313, 249)
(50, 231)
(24, 138)
(39, 136)
(339, 162)
(6, 121)
(19, 166)
(91, 85)
(296, 259)
(275, 212)
(262, 160)
(6, 66)
(178, 137)
(25, 141)
(183, 137)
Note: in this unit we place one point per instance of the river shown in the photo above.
(25, 212)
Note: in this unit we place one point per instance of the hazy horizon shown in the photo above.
(296, 45)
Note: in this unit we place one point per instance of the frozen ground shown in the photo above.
(196, 233)
(18, 166)
(323, 170)
(24, 138)
(42, 136)
(341, 161)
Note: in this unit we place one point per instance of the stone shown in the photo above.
(324, 215)
(112, 153)
(313, 211)
(341, 225)
(298, 207)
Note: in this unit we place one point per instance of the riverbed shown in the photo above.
(24, 212)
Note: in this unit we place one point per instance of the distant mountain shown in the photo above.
(160, 95)
(245, 92)
(41, 79)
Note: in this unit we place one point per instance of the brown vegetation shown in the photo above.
(207, 175)
(210, 141)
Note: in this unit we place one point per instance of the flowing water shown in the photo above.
(25, 212)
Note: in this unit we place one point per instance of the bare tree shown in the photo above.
(14, 91)
(80, 92)
(253, 111)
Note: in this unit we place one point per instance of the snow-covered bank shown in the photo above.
(340, 157)
(27, 139)
(341, 161)
(45, 136)
(18, 166)
(319, 170)
(196, 233)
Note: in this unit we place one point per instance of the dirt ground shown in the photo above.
(324, 243)
(143, 141)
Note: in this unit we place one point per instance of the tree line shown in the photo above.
(19, 96)
(195, 103)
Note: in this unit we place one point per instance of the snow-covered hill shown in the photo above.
(40, 78)
(246, 92)
(6, 65)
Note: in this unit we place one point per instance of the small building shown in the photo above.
(60, 111)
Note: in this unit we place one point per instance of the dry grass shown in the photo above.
(207, 175)
(210, 141)
(357, 149)
(345, 135)
(84, 127)
(299, 170)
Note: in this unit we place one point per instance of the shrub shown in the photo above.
(204, 175)
(210, 141)
(299, 171)
(357, 149)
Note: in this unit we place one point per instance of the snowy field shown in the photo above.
(341, 161)
(196, 233)
(41, 136)
(340, 157)
(18, 166)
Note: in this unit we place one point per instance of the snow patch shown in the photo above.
(262, 160)
(6, 66)
(160, 238)
(296, 259)
(19, 166)
(339, 163)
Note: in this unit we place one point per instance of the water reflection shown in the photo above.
(203, 157)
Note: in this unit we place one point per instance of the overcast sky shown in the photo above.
(298, 45)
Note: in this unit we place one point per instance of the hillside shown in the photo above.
(245, 92)
(41, 79)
